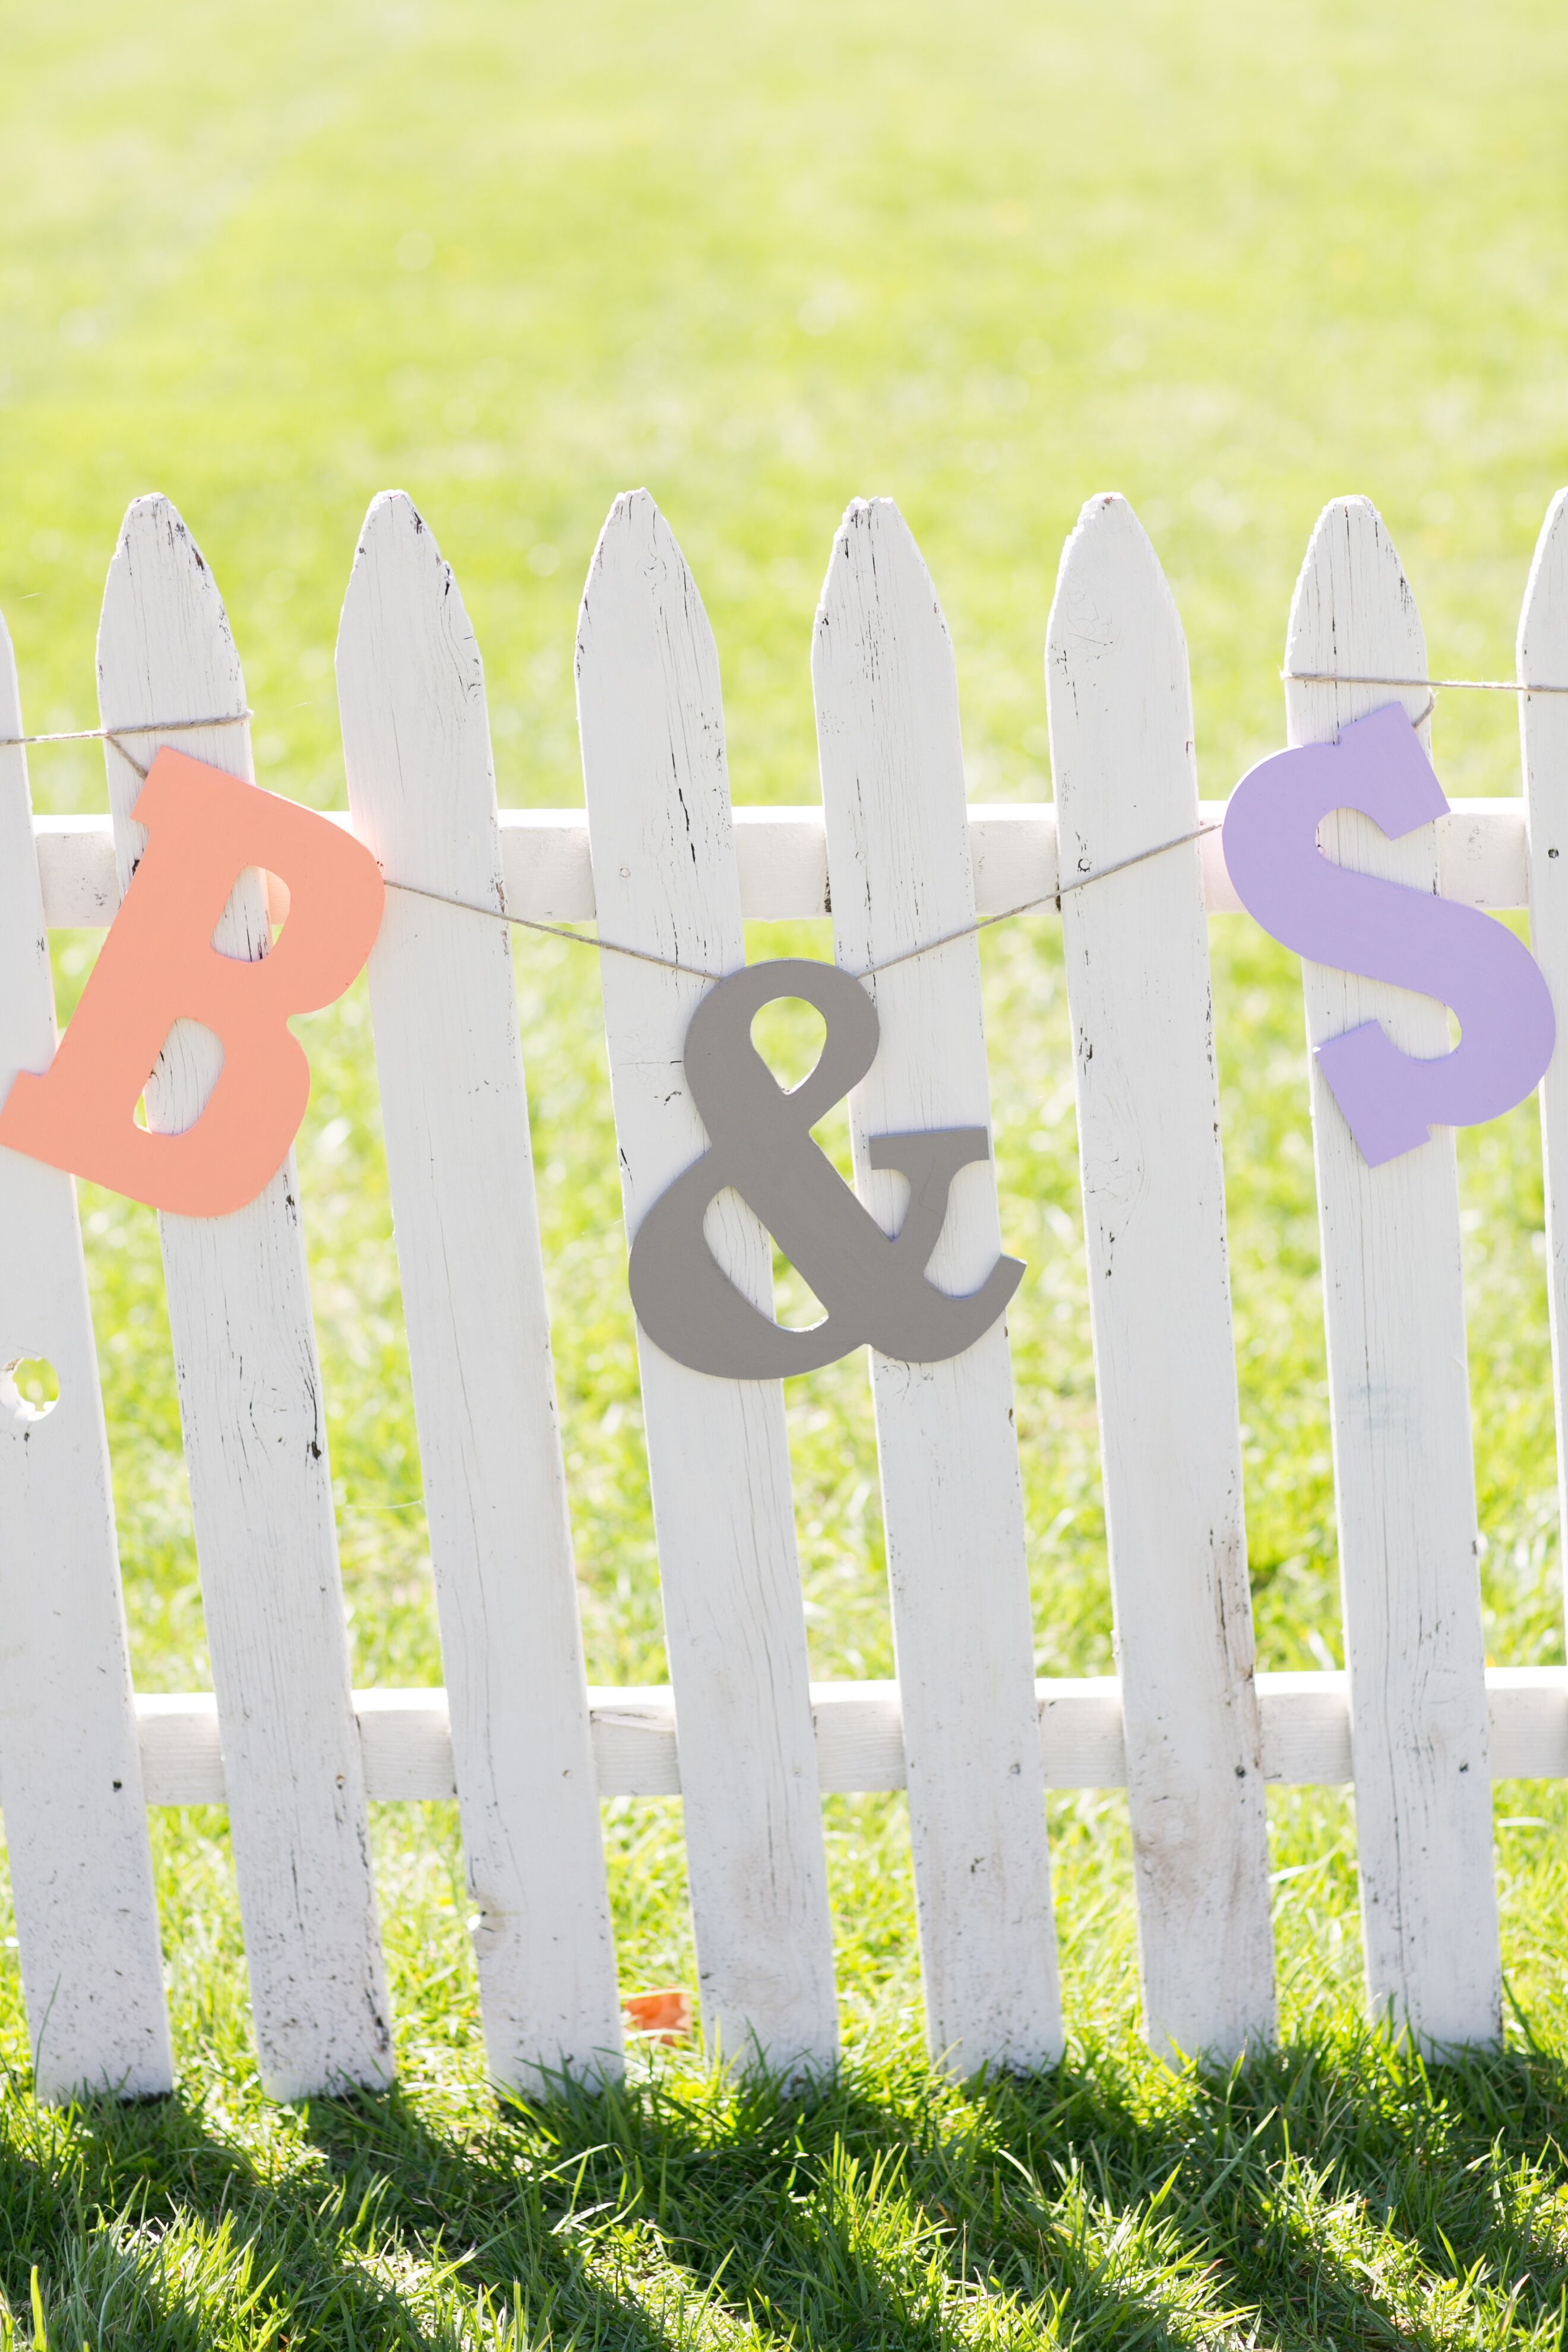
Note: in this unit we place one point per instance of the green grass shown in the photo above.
(1232, 261)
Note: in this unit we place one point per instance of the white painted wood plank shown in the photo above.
(1305, 1723)
(1543, 733)
(181, 1748)
(422, 794)
(1527, 1709)
(77, 872)
(1399, 1388)
(254, 1420)
(651, 719)
(781, 854)
(70, 1774)
(897, 849)
(1137, 963)
(1482, 854)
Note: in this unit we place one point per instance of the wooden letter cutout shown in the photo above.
(158, 964)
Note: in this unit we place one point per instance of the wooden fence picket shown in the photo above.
(1398, 1384)
(254, 1418)
(651, 719)
(1137, 962)
(1544, 735)
(70, 1767)
(444, 1003)
(897, 855)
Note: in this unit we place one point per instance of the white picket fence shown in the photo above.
(663, 862)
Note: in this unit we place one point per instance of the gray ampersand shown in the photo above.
(874, 1287)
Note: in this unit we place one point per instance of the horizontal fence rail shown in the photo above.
(781, 857)
(408, 1746)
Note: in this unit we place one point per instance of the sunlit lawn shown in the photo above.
(765, 258)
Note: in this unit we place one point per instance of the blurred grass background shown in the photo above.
(1231, 262)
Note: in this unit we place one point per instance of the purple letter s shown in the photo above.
(1389, 932)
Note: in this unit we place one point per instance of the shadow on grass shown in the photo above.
(148, 2230)
(1339, 2190)
(1345, 2191)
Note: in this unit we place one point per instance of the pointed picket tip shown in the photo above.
(411, 697)
(1350, 542)
(165, 652)
(634, 536)
(1108, 538)
(636, 568)
(1543, 618)
(161, 602)
(885, 683)
(399, 569)
(647, 673)
(634, 520)
(1118, 698)
(1110, 584)
(881, 646)
(875, 556)
(394, 531)
(392, 510)
(1352, 593)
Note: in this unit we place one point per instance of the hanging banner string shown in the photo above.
(884, 963)
(113, 734)
(866, 971)
(1029, 906)
(587, 940)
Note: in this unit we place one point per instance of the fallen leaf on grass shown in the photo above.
(663, 2016)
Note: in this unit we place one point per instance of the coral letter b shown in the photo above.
(159, 964)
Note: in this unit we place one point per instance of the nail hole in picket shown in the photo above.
(29, 1388)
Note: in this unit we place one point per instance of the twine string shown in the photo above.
(112, 735)
(866, 971)
(558, 931)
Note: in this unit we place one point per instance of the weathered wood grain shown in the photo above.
(71, 1772)
(1137, 962)
(454, 1108)
(1398, 1387)
(892, 792)
(652, 727)
(254, 1420)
